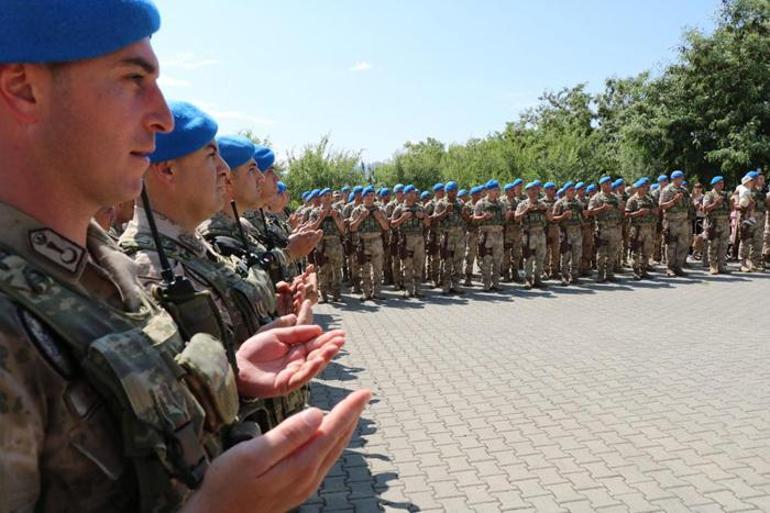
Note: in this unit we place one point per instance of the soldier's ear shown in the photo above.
(21, 88)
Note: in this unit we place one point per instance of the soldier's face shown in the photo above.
(243, 185)
(533, 193)
(199, 182)
(369, 199)
(492, 194)
(719, 186)
(98, 120)
(550, 192)
(606, 187)
(570, 194)
(269, 185)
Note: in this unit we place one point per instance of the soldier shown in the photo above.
(490, 216)
(432, 247)
(398, 199)
(409, 220)
(587, 258)
(552, 254)
(619, 189)
(761, 205)
(100, 419)
(328, 253)
(351, 242)
(387, 260)
(448, 216)
(605, 209)
(472, 234)
(674, 201)
(368, 221)
(642, 213)
(716, 206)
(568, 215)
(533, 214)
(512, 237)
(659, 253)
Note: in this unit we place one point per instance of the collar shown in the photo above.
(169, 229)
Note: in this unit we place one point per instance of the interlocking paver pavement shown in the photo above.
(634, 397)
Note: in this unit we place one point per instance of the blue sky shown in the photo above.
(374, 75)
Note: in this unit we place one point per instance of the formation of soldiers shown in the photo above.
(530, 233)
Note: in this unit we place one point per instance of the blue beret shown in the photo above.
(560, 192)
(662, 178)
(476, 189)
(72, 30)
(351, 197)
(516, 182)
(579, 185)
(717, 179)
(591, 188)
(641, 182)
(264, 157)
(384, 192)
(617, 183)
(753, 174)
(425, 195)
(345, 188)
(531, 185)
(537, 183)
(677, 174)
(281, 187)
(324, 192)
(549, 185)
(398, 188)
(193, 129)
(604, 180)
(568, 185)
(508, 187)
(438, 187)
(367, 190)
(492, 184)
(358, 189)
(655, 187)
(313, 194)
(409, 188)
(305, 194)
(235, 149)
(462, 193)
(451, 186)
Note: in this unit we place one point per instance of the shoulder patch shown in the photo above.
(48, 344)
(57, 249)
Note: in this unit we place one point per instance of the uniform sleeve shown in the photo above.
(631, 205)
(23, 384)
(520, 208)
(478, 209)
(665, 196)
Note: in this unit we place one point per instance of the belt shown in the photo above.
(370, 235)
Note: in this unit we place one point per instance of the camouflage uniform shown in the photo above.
(676, 228)
(752, 234)
(622, 258)
(91, 402)
(553, 243)
(411, 247)
(589, 254)
(471, 243)
(658, 254)
(352, 243)
(393, 259)
(717, 228)
(451, 243)
(432, 247)
(571, 237)
(369, 251)
(608, 234)
(490, 241)
(328, 256)
(257, 227)
(641, 233)
(511, 241)
(533, 240)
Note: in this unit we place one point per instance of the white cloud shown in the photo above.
(166, 81)
(187, 61)
(361, 66)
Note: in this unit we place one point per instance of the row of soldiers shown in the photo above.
(406, 236)
(158, 362)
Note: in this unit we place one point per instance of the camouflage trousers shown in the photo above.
(330, 273)
(512, 251)
(493, 258)
(411, 262)
(587, 258)
(717, 244)
(677, 235)
(751, 246)
(553, 250)
(608, 239)
(370, 268)
(433, 260)
(452, 255)
(571, 252)
(534, 246)
(471, 249)
(642, 242)
(766, 237)
(355, 273)
(387, 258)
(398, 275)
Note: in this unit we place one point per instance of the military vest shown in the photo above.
(470, 226)
(139, 364)
(640, 203)
(370, 224)
(577, 211)
(612, 216)
(683, 206)
(454, 219)
(413, 226)
(237, 291)
(497, 210)
(759, 201)
(328, 225)
(720, 212)
(510, 206)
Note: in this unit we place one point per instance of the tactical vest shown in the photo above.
(370, 224)
(453, 219)
(612, 216)
(470, 226)
(238, 292)
(759, 201)
(723, 210)
(328, 225)
(510, 206)
(534, 220)
(683, 206)
(645, 201)
(413, 226)
(577, 212)
(141, 367)
(496, 209)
